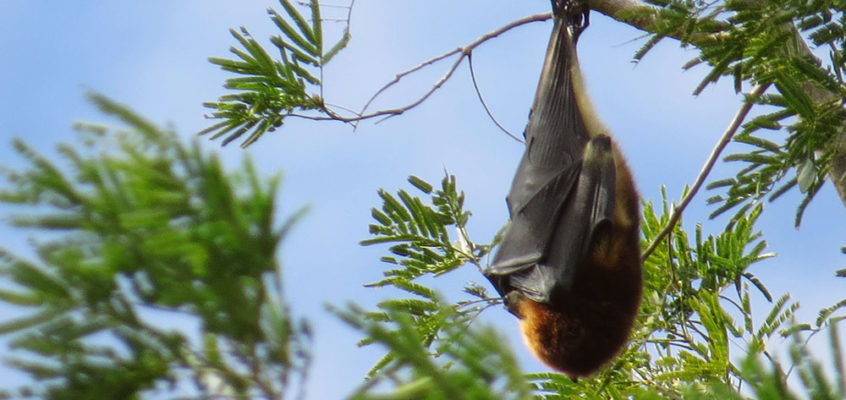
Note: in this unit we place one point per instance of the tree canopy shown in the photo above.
(146, 223)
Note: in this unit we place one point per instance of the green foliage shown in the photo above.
(767, 171)
(696, 318)
(420, 245)
(146, 226)
(750, 39)
(768, 380)
(419, 233)
(268, 89)
(432, 352)
(762, 42)
(459, 363)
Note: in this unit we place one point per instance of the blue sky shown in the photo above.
(152, 56)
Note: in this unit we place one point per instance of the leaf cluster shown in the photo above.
(768, 379)
(763, 42)
(467, 363)
(146, 227)
(268, 90)
(420, 244)
(419, 232)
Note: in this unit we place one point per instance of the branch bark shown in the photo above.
(613, 8)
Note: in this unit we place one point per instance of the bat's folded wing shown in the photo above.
(548, 238)
(563, 189)
(535, 207)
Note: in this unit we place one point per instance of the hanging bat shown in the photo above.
(569, 264)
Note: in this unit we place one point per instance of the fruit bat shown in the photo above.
(568, 265)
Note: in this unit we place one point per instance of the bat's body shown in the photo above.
(569, 262)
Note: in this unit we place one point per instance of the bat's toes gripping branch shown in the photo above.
(575, 12)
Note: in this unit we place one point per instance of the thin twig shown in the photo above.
(405, 73)
(463, 52)
(734, 303)
(706, 169)
(484, 104)
(434, 88)
(307, 4)
(347, 109)
(347, 30)
(670, 342)
(803, 347)
(370, 382)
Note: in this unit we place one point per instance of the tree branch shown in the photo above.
(706, 169)
(485, 104)
(613, 8)
(462, 52)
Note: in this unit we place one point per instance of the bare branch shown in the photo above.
(435, 87)
(462, 52)
(706, 169)
(609, 7)
(484, 104)
(406, 73)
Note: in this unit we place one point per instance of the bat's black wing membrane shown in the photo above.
(562, 191)
(588, 210)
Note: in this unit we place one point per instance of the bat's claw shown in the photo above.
(575, 12)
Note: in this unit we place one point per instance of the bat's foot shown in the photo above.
(575, 12)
